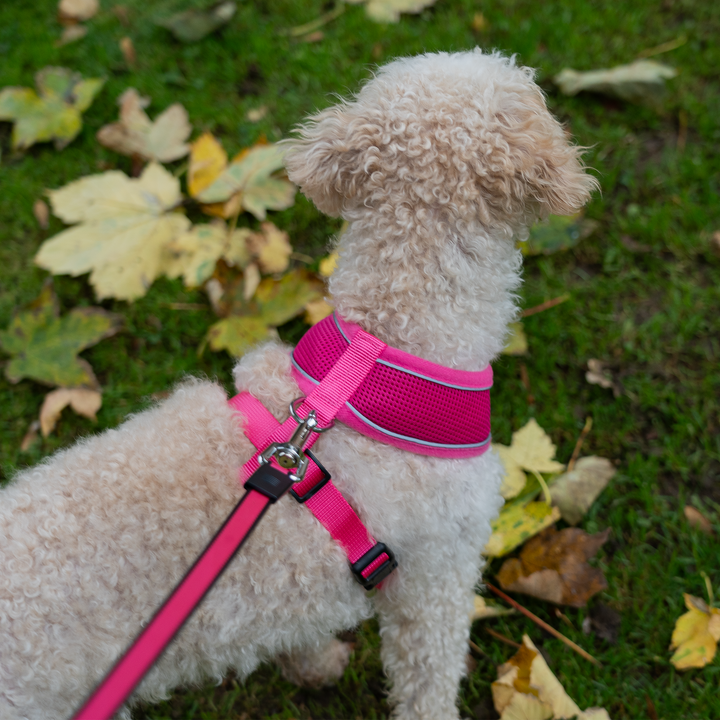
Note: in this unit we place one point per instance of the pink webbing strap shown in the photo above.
(130, 669)
(327, 504)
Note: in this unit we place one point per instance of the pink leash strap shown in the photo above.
(264, 488)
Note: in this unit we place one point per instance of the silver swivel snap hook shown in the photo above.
(290, 454)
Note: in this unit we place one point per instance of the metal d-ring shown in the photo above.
(299, 420)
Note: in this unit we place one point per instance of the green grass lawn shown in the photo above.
(652, 314)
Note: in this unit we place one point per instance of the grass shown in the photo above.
(652, 315)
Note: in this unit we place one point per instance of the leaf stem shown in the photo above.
(502, 637)
(543, 485)
(579, 443)
(545, 306)
(544, 625)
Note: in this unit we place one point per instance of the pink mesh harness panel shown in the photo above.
(405, 401)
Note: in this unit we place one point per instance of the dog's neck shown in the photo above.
(447, 298)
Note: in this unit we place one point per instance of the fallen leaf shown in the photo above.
(485, 609)
(695, 636)
(317, 310)
(207, 160)
(516, 523)
(54, 112)
(123, 233)
(697, 520)
(715, 242)
(574, 492)
(31, 436)
(517, 343)
(526, 689)
(283, 299)
(249, 182)
(642, 81)
(84, 401)
(599, 374)
(251, 278)
(515, 479)
(44, 345)
(135, 134)
(531, 449)
(78, 10)
(388, 11)
(196, 251)
(128, 51)
(558, 232)
(70, 34)
(41, 213)
(195, 24)
(257, 114)
(238, 334)
(604, 621)
(553, 567)
(479, 22)
(271, 248)
(328, 264)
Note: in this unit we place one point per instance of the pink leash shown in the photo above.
(265, 484)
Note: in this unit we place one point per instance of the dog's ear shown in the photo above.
(541, 165)
(326, 160)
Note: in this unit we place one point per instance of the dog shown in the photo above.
(439, 165)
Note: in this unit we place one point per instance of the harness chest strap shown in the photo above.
(318, 493)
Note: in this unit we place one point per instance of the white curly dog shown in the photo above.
(439, 164)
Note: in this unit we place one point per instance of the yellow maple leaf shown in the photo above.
(54, 112)
(516, 523)
(271, 248)
(135, 134)
(207, 160)
(317, 310)
(328, 264)
(195, 252)
(526, 689)
(696, 634)
(122, 230)
(248, 182)
(531, 449)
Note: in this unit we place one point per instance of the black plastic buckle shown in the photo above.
(380, 573)
(317, 486)
(269, 481)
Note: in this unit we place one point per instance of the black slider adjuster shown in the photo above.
(380, 573)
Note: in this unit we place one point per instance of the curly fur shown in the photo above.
(439, 164)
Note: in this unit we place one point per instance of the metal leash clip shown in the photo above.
(290, 454)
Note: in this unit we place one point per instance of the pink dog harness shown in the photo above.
(348, 374)
(406, 401)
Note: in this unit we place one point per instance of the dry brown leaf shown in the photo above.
(42, 213)
(128, 51)
(697, 520)
(135, 134)
(553, 566)
(574, 492)
(257, 114)
(83, 401)
(715, 242)
(479, 22)
(70, 34)
(78, 10)
(31, 436)
(598, 374)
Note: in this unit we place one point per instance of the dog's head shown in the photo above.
(467, 134)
